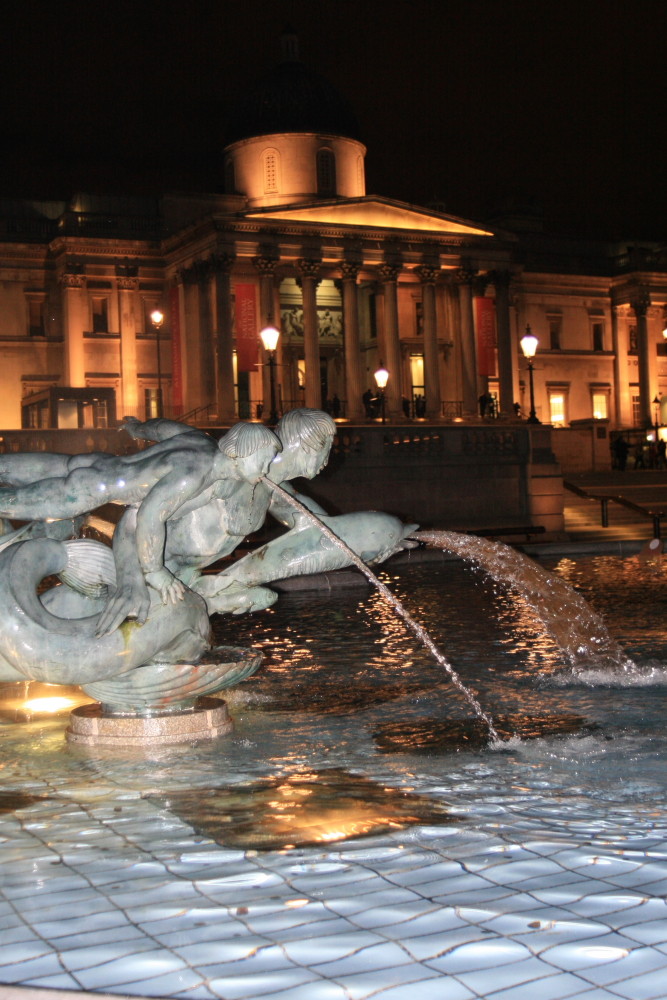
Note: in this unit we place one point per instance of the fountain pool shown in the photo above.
(218, 871)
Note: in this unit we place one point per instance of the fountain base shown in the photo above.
(90, 727)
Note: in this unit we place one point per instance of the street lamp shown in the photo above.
(269, 337)
(381, 377)
(656, 403)
(529, 344)
(157, 319)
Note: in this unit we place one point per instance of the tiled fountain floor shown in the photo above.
(105, 891)
(548, 882)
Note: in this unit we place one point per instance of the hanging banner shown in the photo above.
(485, 322)
(176, 358)
(247, 341)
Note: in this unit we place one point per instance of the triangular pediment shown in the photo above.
(371, 212)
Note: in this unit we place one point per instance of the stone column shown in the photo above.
(622, 395)
(224, 337)
(645, 360)
(202, 270)
(506, 366)
(388, 274)
(266, 265)
(76, 319)
(309, 271)
(128, 289)
(470, 394)
(192, 392)
(427, 276)
(353, 382)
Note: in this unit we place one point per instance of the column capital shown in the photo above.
(265, 265)
(427, 274)
(388, 272)
(641, 303)
(349, 270)
(71, 280)
(222, 262)
(308, 268)
(464, 276)
(126, 284)
(202, 269)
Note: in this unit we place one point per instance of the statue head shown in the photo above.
(306, 436)
(252, 448)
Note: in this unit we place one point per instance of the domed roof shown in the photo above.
(291, 98)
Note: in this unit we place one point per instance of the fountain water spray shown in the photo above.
(394, 602)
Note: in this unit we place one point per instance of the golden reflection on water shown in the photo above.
(313, 807)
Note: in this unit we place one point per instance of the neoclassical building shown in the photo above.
(353, 281)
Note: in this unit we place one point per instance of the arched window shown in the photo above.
(326, 172)
(271, 163)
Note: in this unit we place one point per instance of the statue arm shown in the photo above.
(162, 502)
(131, 597)
(288, 515)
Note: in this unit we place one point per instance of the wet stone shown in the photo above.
(470, 734)
(316, 807)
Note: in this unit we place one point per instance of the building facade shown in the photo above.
(353, 282)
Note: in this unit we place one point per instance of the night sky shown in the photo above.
(469, 104)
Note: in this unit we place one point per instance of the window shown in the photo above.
(326, 172)
(151, 403)
(36, 318)
(271, 161)
(558, 407)
(597, 329)
(600, 403)
(555, 328)
(636, 411)
(100, 314)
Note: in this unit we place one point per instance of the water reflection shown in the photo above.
(314, 807)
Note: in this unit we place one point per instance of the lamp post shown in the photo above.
(381, 377)
(157, 319)
(529, 344)
(656, 403)
(269, 337)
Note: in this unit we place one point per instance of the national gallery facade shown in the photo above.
(354, 282)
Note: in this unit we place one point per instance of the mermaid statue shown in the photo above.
(129, 622)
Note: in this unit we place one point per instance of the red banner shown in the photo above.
(176, 360)
(485, 321)
(247, 331)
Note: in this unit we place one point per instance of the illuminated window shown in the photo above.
(326, 172)
(636, 410)
(417, 373)
(151, 403)
(301, 373)
(600, 400)
(271, 167)
(558, 407)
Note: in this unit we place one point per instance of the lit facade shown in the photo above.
(352, 280)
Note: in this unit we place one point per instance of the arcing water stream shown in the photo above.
(394, 602)
(579, 632)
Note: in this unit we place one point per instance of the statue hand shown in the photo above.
(129, 601)
(168, 587)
